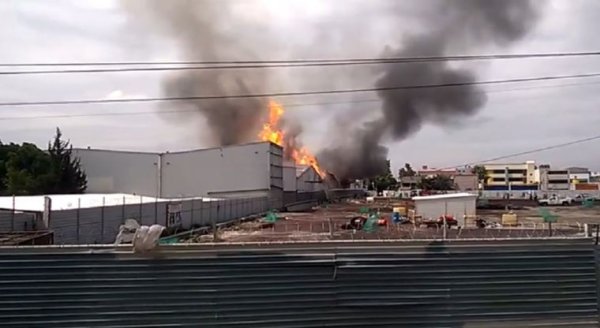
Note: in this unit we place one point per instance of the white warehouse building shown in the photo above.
(458, 205)
(249, 170)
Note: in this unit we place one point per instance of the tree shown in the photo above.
(5, 151)
(406, 171)
(438, 182)
(68, 176)
(481, 173)
(28, 171)
(386, 180)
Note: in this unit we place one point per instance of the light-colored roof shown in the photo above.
(446, 196)
(67, 202)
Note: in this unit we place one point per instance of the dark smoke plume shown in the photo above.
(200, 28)
(210, 30)
(458, 26)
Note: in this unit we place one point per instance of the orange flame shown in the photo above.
(271, 131)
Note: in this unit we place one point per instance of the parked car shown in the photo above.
(583, 197)
(555, 200)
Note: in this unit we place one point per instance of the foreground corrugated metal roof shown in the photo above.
(459, 284)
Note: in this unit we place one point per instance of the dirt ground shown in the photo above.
(567, 215)
(325, 223)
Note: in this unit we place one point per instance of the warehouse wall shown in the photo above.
(217, 171)
(120, 172)
(456, 207)
(309, 181)
(289, 177)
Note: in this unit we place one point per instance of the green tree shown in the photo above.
(5, 151)
(68, 176)
(481, 173)
(407, 171)
(438, 182)
(386, 180)
(28, 171)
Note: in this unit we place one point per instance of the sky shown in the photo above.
(515, 118)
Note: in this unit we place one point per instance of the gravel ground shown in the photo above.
(325, 223)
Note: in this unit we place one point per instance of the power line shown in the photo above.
(528, 152)
(289, 105)
(211, 65)
(243, 62)
(290, 94)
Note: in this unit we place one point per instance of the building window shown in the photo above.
(496, 171)
(558, 181)
(517, 172)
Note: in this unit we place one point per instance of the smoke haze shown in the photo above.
(200, 29)
(203, 31)
(459, 26)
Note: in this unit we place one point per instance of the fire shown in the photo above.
(272, 131)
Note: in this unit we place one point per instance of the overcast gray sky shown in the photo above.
(516, 117)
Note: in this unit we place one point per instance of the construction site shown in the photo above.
(392, 219)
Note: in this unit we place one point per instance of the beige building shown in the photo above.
(511, 175)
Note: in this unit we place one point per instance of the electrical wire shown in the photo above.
(295, 61)
(212, 65)
(528, 152)
(290, 94)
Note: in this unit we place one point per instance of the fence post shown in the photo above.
(201, 210)
(102, 220)
(140, 209)
(12, 214)
(192, 214)
(155, 211)
(78, 218)
(123, 211)
(214, 222)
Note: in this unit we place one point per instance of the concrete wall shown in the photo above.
(456, 207)
(120, 172)
(100, 225)
(467, 182)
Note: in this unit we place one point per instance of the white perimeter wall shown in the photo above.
(235, 171)
(456, 207)
(120, 172)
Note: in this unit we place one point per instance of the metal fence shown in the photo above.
(511, 283)
(98, 225)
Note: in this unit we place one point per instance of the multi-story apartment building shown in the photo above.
(511, 176)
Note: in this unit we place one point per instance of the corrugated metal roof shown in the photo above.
(518, 283)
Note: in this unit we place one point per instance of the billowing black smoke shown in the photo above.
(210, 30)
(458, 26)
(201, 29)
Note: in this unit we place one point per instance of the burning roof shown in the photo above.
(273, 131)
